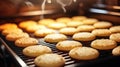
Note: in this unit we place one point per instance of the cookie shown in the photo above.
(79, 18)
(26, 41)
(15, 36)
(115, 29)
(46, 22)
(85, 28)
(57, 26)
(103, 44)
(8, 26)
(84, 53)
(84, 36)
(68, 31)
(101, 32)
(8, 31)
(36, 50)
(90, 21)
(53, 38)
(68, 45)
(44, 32)
(32, 29)
(115, 37)
(74, 24)
(116, 51)
(25, 24)
(63, 19)
(102, 25)
(49, 60)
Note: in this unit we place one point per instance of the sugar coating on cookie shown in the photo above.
(79, 18)
(68, 31)
(115, 37)
(90, 21)
(63, 19)
(115, 29)
(84, 53)
(36, 50)
(53, 38)
(103, 44)
(101, 32)
(116, 51)
(84, 36)
(49, 60)
(68, 45)
(15, 36)
(102, 25)
(85, 28)
(46, 21)
(26, 41)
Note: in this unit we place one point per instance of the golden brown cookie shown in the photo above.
(63, 20)
(26, 41)
(53, 38)
(8, 26)
(84, 53)
(115, 37)
(101, 32)
(115, 29)
(46, 22)
(85, 28)
(84, 36)
(102, 25)
(49, 60)
(44, 32)
(90, 21)
(36, 50)
(34, 28)
(79, 18)
(74, 24)
(68, 45)
(68, 31)
(25, 24)
(15, 36)
(103, 44)
(116, 51)
(8, 31)
(57, 26)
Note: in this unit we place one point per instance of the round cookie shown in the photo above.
(46, 22)
(116, 51)
(26, 41)
(68, 45)
(53, 38)
(68, 31)
(49, 60)
(63, 20)
(115, 37)
(79, 18)
(57, 26)
(85, 28)
(8, 31)
(15, 36)
(115, 29)
(102, 25)
(84, 36)
(90, 21)
(84, 53)
(103, 44)
(36, 50)
(34, 28)
(25, 24)
(74, 24)
(101, 32)
(8, 26)
(44, 32)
